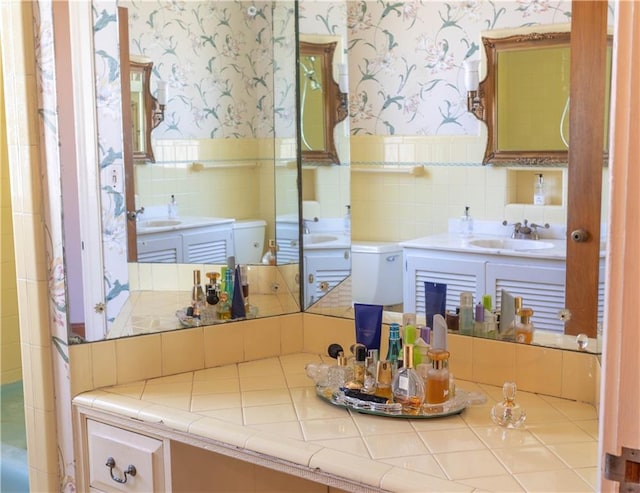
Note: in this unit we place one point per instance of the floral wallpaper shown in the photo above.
(49, 130)
(218, 61)
(110, 154)
(406, 59)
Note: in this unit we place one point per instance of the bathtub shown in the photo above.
(14, 474)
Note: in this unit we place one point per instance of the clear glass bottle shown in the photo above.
(370, 371)
(223, 309)
(508, 413)
(384, 379)
(524, 327)
(198, 298)
(407, 385)
(437, 390)
(359, 367)
(394, 353)
(338, 375)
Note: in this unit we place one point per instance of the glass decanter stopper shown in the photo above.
(508, 413)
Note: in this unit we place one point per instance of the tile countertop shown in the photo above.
(269, 407)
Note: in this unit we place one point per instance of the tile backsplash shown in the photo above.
(554, 372)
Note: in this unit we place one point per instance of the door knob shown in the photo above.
(580, 235)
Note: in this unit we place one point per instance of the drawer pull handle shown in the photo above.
(131, 471)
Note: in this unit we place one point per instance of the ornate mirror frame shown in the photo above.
(142, 112)
(334, 107)
(488, 95)
(488, 88)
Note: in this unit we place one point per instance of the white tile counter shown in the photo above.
(269, 407)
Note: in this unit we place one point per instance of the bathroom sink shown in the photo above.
(510, 244)
(315, 238)
(160, 223)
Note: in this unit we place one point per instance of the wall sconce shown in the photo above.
(472, 82)
(159, 103)
(343, 84)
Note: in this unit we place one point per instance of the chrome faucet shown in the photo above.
(305, 225)
(526, 231)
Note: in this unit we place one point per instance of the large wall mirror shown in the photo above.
(526, 97)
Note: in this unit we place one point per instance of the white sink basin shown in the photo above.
(315, 238)
(510, 244)
(160, 223)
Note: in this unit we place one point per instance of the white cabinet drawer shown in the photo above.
(126, 448)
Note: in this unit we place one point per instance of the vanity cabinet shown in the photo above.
(323, 270)
(540, 281)
(115, 458)
(205, 245)
(287, 239)
(167, 460)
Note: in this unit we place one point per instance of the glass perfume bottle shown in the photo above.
(198, 298)
(359, 367)
(465, 320)
(508, 413)
(384, 379)
(339, 374)
(395, 347)
(224, 307)
(524, 327)
(407, 386)
(437, 390)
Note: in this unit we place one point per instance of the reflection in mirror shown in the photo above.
(225, 153)
(322, 105)
(145, 108)
(525, 97)
(326, 225)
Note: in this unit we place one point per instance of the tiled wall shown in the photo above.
(32, 283)
(9, 324)
(125, 360)
(213, 177)
(566, 374)
(396, 206)
(555, 372)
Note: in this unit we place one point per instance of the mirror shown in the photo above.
(525, 96)
(322, 105)
(225, 149)
(143, 109)
(325, 189)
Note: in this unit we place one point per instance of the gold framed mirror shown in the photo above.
(322, 106)
(143, 108)
(525, 97)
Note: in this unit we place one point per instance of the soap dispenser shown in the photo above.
(347, 222)
(172, 208)
(539, 192)
(466, 224)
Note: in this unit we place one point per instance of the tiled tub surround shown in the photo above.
(268, 407)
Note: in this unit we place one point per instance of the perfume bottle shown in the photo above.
(339, 374)
(437, 390)
(211, 288)
(383, 379)
(197, 294)
(407, 385)
(370, 371)
(524, 327)
(224, 307)
(359, 367)
(508, 413)
(394, 353)
(465, 321)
